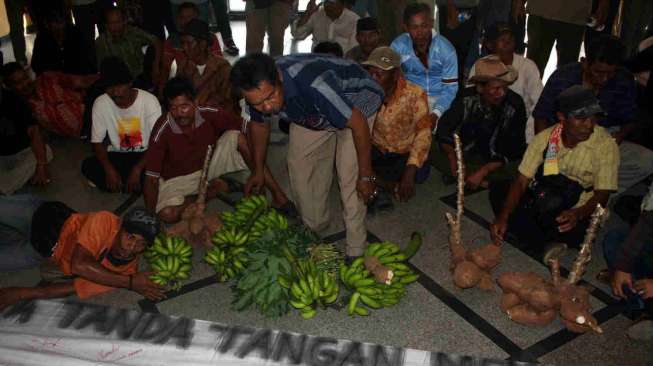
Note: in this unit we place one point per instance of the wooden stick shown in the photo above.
(585, 254)
(460, 175)
(204, 182)
(554, 264)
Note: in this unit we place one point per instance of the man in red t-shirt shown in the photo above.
(95, 253)
(177, 149)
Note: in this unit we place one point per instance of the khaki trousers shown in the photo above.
(311, 158)
(273, 20)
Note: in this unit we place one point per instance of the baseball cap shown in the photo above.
(141, 221)
(385, 58)
(367, 24)
(492, 68)
(495, 30)
(578, 102)
(197, 28)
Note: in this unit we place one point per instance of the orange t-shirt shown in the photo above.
(95, 232)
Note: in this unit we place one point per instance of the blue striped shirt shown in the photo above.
(618, 97)
(320, 92)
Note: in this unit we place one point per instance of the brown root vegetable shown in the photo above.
(466, 274)
(486, 257)
(509, 300)
(526, 315)
(486, 283)
(382, 274)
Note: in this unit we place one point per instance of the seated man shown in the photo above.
(617, 94)
(631, 259)
(427, 58)
(208, 73)
(126, 42)
(61, 47)
(368, 37)
(88, 254)
(123, 118)
(177, 151)
(490, 120)
(499, 40)
(574, 165)
(56, 99)
(328, 48)
(331, 22)
(24, 156)
(172, 49)
(401, 136)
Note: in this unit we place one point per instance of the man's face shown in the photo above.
(184, 16)
(505, 44)
(386, 79)
(493, 92)
(419, 27)
(21, 83)
(120, 94)
(192, 46)
(578, 128)
(267, 98)
(598, 73)
(128, 246)
(182, 109)
(368, 40)
(115, 23)
(333, 9)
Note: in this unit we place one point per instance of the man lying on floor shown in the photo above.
(177, 149)
(87, 254)
(566, 171)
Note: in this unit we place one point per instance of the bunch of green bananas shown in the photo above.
(268, 220)
(310, 287)
(170, 257)
(391, 256)
(248, 209)
(228, 256)
(326, 257)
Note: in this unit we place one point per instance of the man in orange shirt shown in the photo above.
(95, 253)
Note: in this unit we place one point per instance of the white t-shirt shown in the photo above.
(341, 30)
(128, 129)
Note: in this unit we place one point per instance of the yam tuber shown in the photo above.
(469, 269)
(195, 226)
(530, 299)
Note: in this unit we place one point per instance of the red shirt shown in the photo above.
(175, 150)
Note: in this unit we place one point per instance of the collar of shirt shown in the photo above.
(199, 120)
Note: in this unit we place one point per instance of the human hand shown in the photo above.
(134, 181)
(474, 180)
(644, 288)
(619, 279)
(113, 180)
(255, 184)
(9, 296)
(618, 136)
(405, 190)
(142, 284)
(498, 230)
(41, 175)
(366, 190)
(567, 220)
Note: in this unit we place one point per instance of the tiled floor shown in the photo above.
(435, 316)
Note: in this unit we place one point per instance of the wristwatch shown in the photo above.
(370, 178)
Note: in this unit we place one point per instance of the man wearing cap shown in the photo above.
(427, 58)
(208, 73)
(94, 253)
(601, 70)
(401, 137)
(127, 42)
(330, 22)
(123, 118)
(499, 39)
(574, 164)
(490, 120)
(368, 37)
(331, 103)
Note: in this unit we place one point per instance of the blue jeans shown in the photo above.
(16, 251)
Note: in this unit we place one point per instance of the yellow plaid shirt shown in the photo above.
(592, 163)
(403, 124)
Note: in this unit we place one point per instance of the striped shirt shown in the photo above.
(180, 150)
(618, 97)
(592, 163)
(320, 91)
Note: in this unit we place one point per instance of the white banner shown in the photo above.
(72, 333)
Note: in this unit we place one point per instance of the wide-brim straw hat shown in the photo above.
(492, 68)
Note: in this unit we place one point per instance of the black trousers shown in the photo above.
(531, 236)
(460, 37)
(123, 162)
(390, 167)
